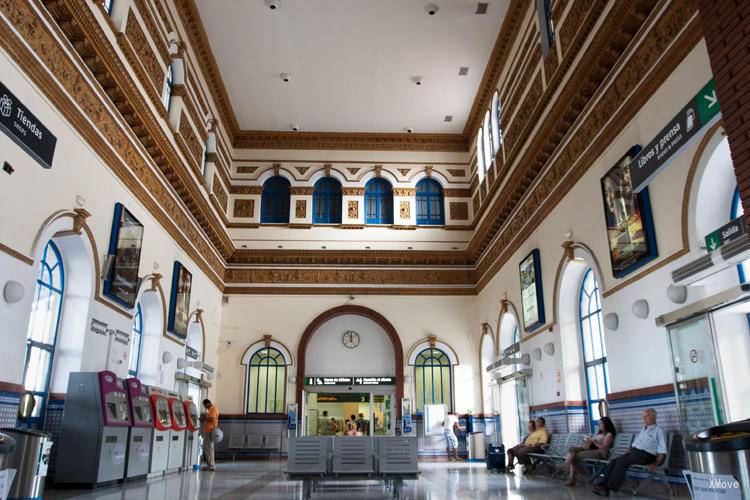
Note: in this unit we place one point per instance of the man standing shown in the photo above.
(362, 425)
(324, 424)
(649, 448)
(450, 425)
(210, 422)
(533, 444)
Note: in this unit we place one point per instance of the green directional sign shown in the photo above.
(732, 230)
(713, 241)
(701, 110)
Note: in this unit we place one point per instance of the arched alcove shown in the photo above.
(152, 308)
(486, 357)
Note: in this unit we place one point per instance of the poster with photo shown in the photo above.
(121, 284)
(532, 299)
(179, 304)
(630, 230)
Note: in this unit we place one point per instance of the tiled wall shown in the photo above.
(564, 419)
(8, 408)
(53, 426)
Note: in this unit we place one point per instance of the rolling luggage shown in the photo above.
(495, 457)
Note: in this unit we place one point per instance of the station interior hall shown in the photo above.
(336, 249)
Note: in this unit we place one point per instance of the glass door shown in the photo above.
(382, 411)
(697, 381)
(522, 402)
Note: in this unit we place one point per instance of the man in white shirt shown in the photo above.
(649, 448)
(451, 440)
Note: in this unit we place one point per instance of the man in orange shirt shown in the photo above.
(210, 422)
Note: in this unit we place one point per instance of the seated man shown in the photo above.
(530, 427)
(533, 444)
(649, 448)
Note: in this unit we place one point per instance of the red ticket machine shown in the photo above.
(192, 447)
(162, 431)
(177, 435)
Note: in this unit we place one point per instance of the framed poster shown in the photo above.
(121, 283)
(532, 299)
(630, 229)
(179, 303)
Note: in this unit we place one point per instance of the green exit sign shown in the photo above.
(728, 232)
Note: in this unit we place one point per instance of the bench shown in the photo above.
(555, 447)
(619, 447)
(659, 472)
(314, 459)
(261, 442)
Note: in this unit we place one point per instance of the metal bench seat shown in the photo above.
(619, 447)
(653, 473)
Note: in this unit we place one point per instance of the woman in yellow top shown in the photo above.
(210, 422)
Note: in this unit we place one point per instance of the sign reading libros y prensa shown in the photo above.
(701, 110)
(25, 129)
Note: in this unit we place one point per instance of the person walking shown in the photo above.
(450, 426)
(210, 422)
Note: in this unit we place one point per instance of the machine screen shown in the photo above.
(110, 439)
(164, 416)
(112, 410)
(137, 439)
(139, 413)
(160, 438)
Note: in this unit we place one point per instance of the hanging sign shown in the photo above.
(327, 381)
(25, 129)
(726, 233)
(702, 109)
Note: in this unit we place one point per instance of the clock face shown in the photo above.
(350, 339)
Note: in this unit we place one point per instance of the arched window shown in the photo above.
(107, 4)
(433, 380)
(480, 156)
(327, 201)
(594, 350)
(136, 335)
(168, 85)
(487, 141)
(43, 326)
(430, 206)
(743, 268)
(204, 158)
(497, 134)
(274, 202)
(378, 202)
(266, 382)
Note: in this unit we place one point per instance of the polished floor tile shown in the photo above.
(266, 480)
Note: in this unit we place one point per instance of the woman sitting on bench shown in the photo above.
(596, 447)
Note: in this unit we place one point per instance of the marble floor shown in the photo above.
(266, 480)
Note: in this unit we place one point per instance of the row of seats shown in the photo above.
(254, 442)
(316, 458)
(559, 444)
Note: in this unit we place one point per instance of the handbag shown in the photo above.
(217, 435)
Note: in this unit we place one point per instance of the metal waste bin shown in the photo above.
(30, 459)
(7, 445)
(475, 445)
(719, 458)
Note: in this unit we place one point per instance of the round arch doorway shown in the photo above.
(309, 344)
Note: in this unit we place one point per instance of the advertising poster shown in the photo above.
(630, 231)
(125, 249)
(179, 305)
(531, 291)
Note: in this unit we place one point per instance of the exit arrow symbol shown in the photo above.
(712, 246)
(711, 98)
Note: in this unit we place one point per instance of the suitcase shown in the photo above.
(495, 457)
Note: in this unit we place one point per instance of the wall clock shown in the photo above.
(350, 339)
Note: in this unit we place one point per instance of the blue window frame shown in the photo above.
(42, 333)
(430, 205)
(378, 202)
(266, 382)
(594, 349)
(136, 336)
(743, 268)
(274, 202)
(107, 4)
(433, 379)
(327, 201)
(168, 86)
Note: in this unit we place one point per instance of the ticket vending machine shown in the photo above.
(141, 432)
(192, 433)
(162, 431)
(177, 438)
(95, 429)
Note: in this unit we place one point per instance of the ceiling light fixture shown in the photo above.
(273, 4)
(409, 129)
(482, 8)
(286, 77)
(448, 118)
(463, 71)
(295, 128)
(418, 80)
(431, 9)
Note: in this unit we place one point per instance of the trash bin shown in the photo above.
(30, 458)
(7, 445)
(475, 445)
(719, 459)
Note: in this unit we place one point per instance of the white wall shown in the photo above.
(246, 318)
(28, 198)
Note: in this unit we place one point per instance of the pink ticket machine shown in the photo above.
(141, 433)
(95, 428)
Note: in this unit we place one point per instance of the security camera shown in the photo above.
(273, 4)
(409, 129)
(431, 9)
(295, 128)
(286, 77)
(418, 80)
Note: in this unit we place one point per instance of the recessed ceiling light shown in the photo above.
(410, 248)
(367, 248)
(295, 128)
(463, 71)
(323, 247)
(482, 8)
(455, 248)
(273, 4)
(285, 77)
(418, 80)
(279, 246)
(448, 118)
(409, 129)
(431, 9)
(244, 246)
